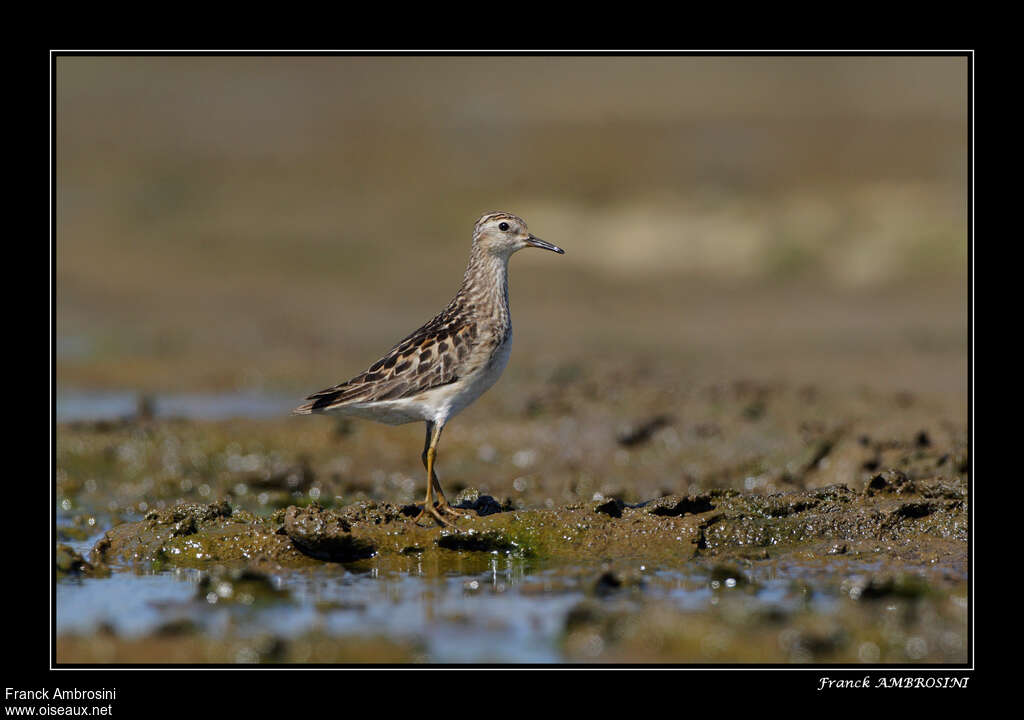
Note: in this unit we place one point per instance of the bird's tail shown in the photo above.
(320, 402)
(307, 409)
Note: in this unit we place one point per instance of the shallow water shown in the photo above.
(514, 611)
(476, 617)
(74, 406)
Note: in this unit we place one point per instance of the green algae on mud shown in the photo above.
(190, 536)
(666, 532)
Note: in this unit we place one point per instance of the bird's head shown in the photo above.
(503, 233)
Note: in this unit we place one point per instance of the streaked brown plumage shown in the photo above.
(429, 357)
(439, 369)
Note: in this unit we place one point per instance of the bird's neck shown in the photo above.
(485, 283)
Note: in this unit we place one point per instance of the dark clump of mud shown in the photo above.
(488, 541)
(673, 506)
(324, 535)
(890, 482)
(612, 508)
(471, 499)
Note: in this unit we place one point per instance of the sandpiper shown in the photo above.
(437, 371)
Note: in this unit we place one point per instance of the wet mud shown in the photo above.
(723, 557)
(890, 517)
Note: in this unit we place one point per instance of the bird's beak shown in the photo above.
(536, 242)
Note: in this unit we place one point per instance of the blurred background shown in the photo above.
(273, 225)
(764, 290)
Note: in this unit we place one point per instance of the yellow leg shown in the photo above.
(433, 484)
(428, 462)
(442, 502)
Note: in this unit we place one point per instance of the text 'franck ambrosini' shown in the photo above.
(827, 683)
(60, 694)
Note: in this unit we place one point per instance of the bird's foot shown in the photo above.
(433, 512)
(444, 507)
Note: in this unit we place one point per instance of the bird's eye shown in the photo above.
(503, 226)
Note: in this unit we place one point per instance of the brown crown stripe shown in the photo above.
(487, 217)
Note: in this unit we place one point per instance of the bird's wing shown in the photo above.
(431, 356)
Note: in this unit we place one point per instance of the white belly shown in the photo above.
(389, 412)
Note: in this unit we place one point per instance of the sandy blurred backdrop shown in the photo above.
(275, 224)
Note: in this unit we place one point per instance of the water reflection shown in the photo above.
(478, 608)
